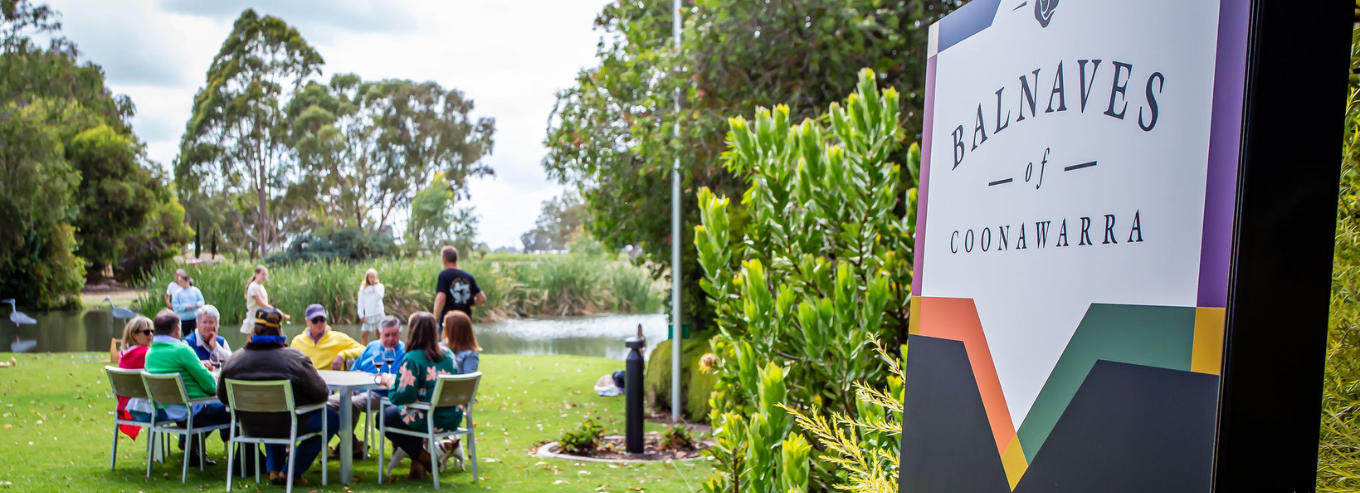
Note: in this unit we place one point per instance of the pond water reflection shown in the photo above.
(602, 336)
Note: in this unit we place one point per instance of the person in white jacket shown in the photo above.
(370, 304)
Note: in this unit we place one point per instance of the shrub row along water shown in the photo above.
(516, 286)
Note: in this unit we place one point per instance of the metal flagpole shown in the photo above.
(677, 329)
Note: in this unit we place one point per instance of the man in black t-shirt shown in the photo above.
(456, 289)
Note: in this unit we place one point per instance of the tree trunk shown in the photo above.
(262, 214)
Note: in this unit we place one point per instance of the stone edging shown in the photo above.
(545, 452)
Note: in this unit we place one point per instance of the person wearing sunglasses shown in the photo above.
(327, 348)
(136, 341)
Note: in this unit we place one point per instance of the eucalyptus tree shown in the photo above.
(612, 134)
(426, 130)
(335, 134)
(235, 153)
(368, 149)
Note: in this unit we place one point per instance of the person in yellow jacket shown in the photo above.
(328, 349)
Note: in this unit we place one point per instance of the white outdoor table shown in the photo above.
(347, 382)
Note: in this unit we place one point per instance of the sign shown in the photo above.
(1074, 258)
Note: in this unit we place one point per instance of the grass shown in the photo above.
(57, 415)
(515, 286)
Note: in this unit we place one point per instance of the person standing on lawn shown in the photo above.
(328, 349)
(266, 358)
(371, 311)
(174, 287)
(169, 354)
(455, 288)
(186, 303)
(257, 298)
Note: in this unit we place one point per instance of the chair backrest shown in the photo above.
(165, 388)
(456, 390)
(126, 383)
(261, 396)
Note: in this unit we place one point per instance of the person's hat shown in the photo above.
(269, 317)
(314, 311)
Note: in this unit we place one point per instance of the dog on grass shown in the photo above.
(447, 448)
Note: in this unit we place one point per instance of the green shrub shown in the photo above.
(677, 437)
(696, 383)
(822, 268)
(331, 244)
(583, 440)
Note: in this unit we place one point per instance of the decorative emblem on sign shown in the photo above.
(1043, 11)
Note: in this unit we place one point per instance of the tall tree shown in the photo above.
(77, 189)
(559, 222)
(612, 134)
(336, 135)
(235, 150)
(427, 130)
(367, 147)
(436, 220)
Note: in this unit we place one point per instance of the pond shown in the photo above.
(601, 336)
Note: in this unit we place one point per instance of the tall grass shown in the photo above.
(516, 286)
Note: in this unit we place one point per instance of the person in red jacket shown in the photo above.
(136, 341)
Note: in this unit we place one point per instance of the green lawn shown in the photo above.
(56, 419)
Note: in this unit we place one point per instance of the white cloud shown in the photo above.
(508, 57)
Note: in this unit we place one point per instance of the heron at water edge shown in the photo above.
(118, 311)
(19, 319)
(16, 316)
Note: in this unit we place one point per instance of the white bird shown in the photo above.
(18, 317)
(118, 311)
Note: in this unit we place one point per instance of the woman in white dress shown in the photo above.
(371, 310)
(257, 298)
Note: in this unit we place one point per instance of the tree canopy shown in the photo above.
(557, 225)
(612, 134)
(271, 152)
(77, 192)
(235, 151)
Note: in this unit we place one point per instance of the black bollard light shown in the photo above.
(632, 388)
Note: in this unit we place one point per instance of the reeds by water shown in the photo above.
(515, 286)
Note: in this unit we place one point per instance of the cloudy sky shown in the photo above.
(509, 57)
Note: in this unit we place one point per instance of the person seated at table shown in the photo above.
(204, 339)
(265, 357)
(380, 356)
(425, 360)
(327, 348)
(462, 341)
(136, 341)
(168, 354)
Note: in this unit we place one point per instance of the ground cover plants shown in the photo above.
(55, 422)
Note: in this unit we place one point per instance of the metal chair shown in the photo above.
(449, 391)
(128, 383)
(164, 389)
(270, 396)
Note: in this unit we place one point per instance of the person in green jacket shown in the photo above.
(424, 361)
(169, 354)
